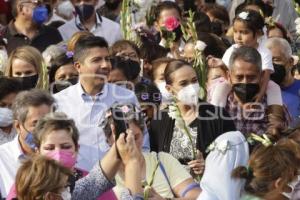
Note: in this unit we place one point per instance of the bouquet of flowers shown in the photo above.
(134, 19)
(189, 28)
(127, 20)
(189, 31)
(171, 24)
(200, 67)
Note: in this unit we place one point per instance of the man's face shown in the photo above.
(279, 58)
(26, 7)
(244, 72)
(33, 115)
(95, 67)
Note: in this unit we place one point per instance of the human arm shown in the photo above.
(99, 180)
(220, 94)
(133, 180)
(192, 194)
(182, 184)
(263, 85)
(92, 185)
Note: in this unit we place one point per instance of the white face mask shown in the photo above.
(66, 194)
(292, 185)
(3, 59)
(6, 117)
(65, 9)
(166, 95)
(189, 95)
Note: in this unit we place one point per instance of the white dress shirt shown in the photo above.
(104, 27)
(88, 115)
(10, 156)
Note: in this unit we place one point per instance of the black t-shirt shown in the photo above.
(45, 37)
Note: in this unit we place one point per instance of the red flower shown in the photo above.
(171, 23)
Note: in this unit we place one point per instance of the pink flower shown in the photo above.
(125, 109)
(171, 23)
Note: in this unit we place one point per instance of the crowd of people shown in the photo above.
(197, 99)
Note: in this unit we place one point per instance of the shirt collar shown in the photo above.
(13, 31)
(16, 148)
(85, 96)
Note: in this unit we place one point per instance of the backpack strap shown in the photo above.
(162, 168)
(186, 190)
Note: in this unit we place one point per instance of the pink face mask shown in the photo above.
(65, 157)
(215, 82)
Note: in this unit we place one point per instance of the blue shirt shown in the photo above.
(291, 99)
(88, 113)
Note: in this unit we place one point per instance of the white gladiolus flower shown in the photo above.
(173, 112)
(200, 46)
(298, 29)
(297, 21)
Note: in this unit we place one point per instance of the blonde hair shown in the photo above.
(34, 57)
(39, 175)
(75, 38)
(52, 122)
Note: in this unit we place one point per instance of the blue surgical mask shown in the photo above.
(30, 141)
(40, 15)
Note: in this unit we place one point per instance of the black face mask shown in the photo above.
(61, 85)
(216, 28)
(279, 73)
(28, 82)
(246, 91)
(85, 11)
(157, 38)
(133, 71)
(268, 10)
(112, 4)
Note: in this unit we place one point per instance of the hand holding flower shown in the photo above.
(197, 165)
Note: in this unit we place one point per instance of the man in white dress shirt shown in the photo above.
(87, 19)
(87, 101)
(28, 108)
